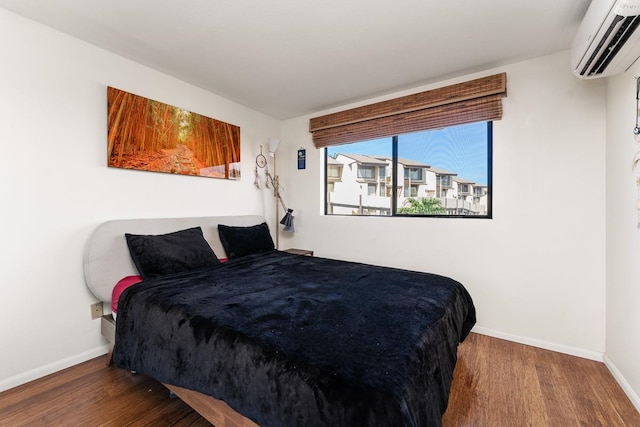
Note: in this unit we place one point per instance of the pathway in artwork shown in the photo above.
(179, 160)
(182, 161)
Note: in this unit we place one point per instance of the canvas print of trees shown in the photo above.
(149, 135)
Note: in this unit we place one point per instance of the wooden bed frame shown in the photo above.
(213, 410)
(107, 260)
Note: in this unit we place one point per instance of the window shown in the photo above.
(444, 181)
(434, 171)
(333, 171)
(410, 191)
(366, 172)
(414, 174)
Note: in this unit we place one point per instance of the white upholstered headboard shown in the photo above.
(106, 255)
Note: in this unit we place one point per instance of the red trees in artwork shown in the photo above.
(150, 135)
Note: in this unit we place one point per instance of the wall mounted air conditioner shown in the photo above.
(608, 40)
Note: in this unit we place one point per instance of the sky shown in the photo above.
(460, 149)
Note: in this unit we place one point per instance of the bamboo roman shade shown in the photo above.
(467, 102)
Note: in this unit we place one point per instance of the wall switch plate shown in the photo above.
(96, 310)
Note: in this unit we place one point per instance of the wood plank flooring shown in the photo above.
(501, 383)
(496, 383)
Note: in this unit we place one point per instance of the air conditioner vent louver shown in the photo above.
(608, 39)
(616, 35)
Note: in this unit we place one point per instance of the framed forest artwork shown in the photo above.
(148, 135)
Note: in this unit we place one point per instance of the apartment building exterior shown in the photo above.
(359, 184)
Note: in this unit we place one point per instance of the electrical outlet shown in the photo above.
(96, 310)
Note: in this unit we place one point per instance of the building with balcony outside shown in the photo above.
(358, 184)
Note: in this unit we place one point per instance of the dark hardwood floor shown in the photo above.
(496, 383)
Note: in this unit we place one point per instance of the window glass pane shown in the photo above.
(333, 171)
(451, 161)
(438, 173)
(365, 172)
(366, 168)
(415, 174)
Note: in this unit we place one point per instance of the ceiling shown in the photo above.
(288, 58)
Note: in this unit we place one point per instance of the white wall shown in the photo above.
(623, 235)
(536, 270)
(56, 187)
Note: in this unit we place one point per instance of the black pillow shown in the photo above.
(175, 252)
(242, 241)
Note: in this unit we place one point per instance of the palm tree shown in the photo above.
(422, 206)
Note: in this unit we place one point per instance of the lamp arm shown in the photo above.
(275, 183)
(281, 202)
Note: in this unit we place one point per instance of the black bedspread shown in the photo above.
(290, 340)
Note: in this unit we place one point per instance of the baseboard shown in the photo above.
(633, 397)
(45, 370)
(573, 351)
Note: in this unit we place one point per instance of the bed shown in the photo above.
(279, 339)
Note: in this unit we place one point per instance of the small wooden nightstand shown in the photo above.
(108, 330)
(295, 251)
